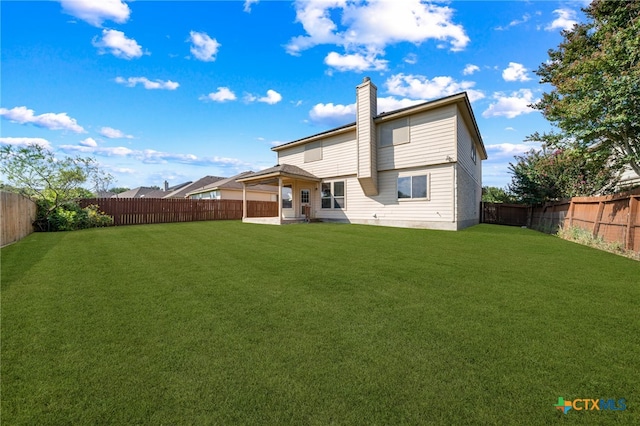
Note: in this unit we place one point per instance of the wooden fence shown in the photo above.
(505, 214)
(17, 214)
(614, 218)
(138, 211)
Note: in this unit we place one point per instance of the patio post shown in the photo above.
(280, 199)
(244, 200)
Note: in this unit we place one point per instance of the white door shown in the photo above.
(305, 203)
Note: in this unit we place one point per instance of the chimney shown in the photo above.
(366, 110)
(166, 186)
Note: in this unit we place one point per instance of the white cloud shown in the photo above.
(89, 142)
(515, 22)
(512, 105)
(332, 114)
(515, 72)
(271, 98)
(509, 128)
(222, 95)
(26, 142)
(411, 58)
(355, 62)
(111, 133)
(565, 21)
(336, 114)
(96, 12)
(203, 47)
(116, 43)
(507, 149)
(248, 4)
(470, 69)
(148, 84)
(150, 156)
(418, 86)
(60, 121)
(366, 28)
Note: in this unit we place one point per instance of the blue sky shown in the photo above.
(169, 90)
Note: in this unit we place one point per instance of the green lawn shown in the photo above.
(230, 323)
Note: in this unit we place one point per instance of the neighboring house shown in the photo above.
(141, 192)
(229, 189)
(183, 190)
(415, 167)
(628, 180)
(176, 191)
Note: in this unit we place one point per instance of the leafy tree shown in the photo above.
(54, 183)
(547, 175)
(493, 194)
(118, 190)
(595, 72)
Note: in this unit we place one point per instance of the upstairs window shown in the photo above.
(474, 153)
(333, 195)
(412, 187)
(313, 152)
(394, 132)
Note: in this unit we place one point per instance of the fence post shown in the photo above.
(596, 224)
(633, 206)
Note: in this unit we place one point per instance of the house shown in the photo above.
(176, 191)
(629, 179)
(229, 189)
(419, 166)
(141, 192)
(182, 191)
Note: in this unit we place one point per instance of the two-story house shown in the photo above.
(419, 166)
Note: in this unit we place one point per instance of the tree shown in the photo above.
(54, 183)
(493, 194)
(118, 190)
(595, 72)
(547, 175)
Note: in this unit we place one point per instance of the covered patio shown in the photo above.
(297, 194)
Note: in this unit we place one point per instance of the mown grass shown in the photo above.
(230, 323)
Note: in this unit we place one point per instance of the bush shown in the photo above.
(69, 217)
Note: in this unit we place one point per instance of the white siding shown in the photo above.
(468, 178)
(366, 101)
(236, 194)
(431, 141)
(385, 209)
(339, 157)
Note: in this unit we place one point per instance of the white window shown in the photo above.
(412, 187)
(313, 152)
(394, 133)
(333, 195)
(474, 154)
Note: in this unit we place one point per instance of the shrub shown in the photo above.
(69, 217)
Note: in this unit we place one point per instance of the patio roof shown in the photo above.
(280, 170)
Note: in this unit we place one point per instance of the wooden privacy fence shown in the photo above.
(17, 214)
(139, 211)
(614, 218)
(505, 214)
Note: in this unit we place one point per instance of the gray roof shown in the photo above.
(287, 170)
(184, 190)
(140, 192)
(231, 183)
(461, 97)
